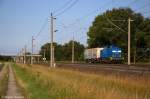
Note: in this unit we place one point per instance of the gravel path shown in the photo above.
(13, 91)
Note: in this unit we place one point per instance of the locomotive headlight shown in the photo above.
(114, 51)
(119, 51)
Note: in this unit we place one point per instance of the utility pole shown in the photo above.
(73, 49)
(22, 57)
(129, 38)
(32, 51)
(135, 55)
(25, 54)
(129, 41)
(51, 46)
(54, 56)
(135, 49)
(20, 54)
(44, 56)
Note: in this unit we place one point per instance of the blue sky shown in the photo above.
(22, 19)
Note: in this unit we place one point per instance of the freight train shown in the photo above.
(111, 54)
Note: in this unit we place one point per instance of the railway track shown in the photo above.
(110, 67)
(136, 69)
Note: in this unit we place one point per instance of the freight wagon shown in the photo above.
(92, 55)
(110, 54)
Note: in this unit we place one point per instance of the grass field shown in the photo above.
(39, 82)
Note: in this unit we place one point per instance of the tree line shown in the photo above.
(5, 58)
(64, 52)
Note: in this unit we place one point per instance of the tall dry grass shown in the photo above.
(68, 84)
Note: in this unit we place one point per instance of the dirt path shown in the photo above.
(13, 91)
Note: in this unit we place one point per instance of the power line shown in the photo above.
(85, 16)
(113, 23)
(42, 27)
(142, 7)
(69, 7)
(133, 2)
(63, 6)
(146, 12)
(45, 22)
(89, 14)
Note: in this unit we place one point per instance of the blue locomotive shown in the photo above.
(111, 54)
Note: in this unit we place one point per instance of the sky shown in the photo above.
(22, 19)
